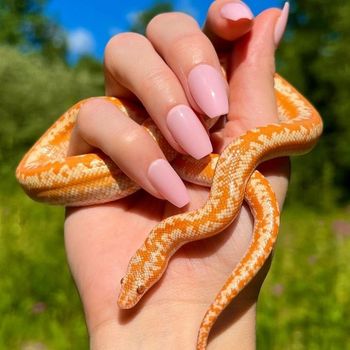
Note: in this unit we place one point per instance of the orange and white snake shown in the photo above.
(48, 175)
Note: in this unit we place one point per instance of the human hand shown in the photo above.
(101, 239)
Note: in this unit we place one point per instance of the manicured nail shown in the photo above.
(188, 131)
(164, 178)
(209, 90)
(235, 11)
(281, 23)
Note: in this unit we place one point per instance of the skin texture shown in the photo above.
(101, 239)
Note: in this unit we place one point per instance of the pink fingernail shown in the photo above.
(235, 11)
(164, 178)
(281, 23)
(188, 131)
(209, 90)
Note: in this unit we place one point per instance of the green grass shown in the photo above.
(305, 303)
(38, 301)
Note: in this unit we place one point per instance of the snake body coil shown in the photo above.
(48, 175)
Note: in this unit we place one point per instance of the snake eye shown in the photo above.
(122, 280)
(140, 289)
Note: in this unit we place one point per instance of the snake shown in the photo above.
(48, 175)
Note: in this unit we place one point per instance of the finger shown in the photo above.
(100, 124)
(227, 20)
(191, 56)
(252, 95)
(132, 61)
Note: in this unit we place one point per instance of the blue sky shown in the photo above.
(89, 24)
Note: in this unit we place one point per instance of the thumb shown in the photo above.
(252, 95)
(227, 20)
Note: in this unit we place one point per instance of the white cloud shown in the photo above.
(132, 17)
(81, 41)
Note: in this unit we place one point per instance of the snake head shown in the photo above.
(140, 277)
(146, 267)
(131, 291)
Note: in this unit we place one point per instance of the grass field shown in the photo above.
(305, 303)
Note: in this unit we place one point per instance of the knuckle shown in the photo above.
(193, 42)
(96, 111)
(157, 79)
(156, 21)
(167, 19)
(88, 115)
(118, 45)
(261, 64)
(135, 135)
(123, 39)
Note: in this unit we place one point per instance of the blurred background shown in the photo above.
(50, 57)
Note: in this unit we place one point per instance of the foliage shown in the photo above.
(37, 294)
(24, 25)
(38, 300)
(33, 94)
(315, 57)
(305, 303)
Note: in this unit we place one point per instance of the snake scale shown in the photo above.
(48, 175)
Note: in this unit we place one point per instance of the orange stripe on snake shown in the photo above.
(47, 175)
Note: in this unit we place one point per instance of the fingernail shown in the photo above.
(188, 131)
(164, 178)
(209, 90)
(281, 23)
(235, 11)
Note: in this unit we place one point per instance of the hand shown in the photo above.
(100, 240)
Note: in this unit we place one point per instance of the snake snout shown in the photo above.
(131, 291)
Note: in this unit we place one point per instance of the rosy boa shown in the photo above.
(48, 175)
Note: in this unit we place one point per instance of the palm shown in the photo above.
(100, 241)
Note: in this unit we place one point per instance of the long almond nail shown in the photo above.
(236, 11)
(209, 89)
(165, 179)
(281, 23)
(188, 131)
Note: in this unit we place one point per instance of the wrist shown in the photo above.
(174, 326)
(149, 327)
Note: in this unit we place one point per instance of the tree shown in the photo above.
(315, 57)
(34, 92)
(24, 25)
